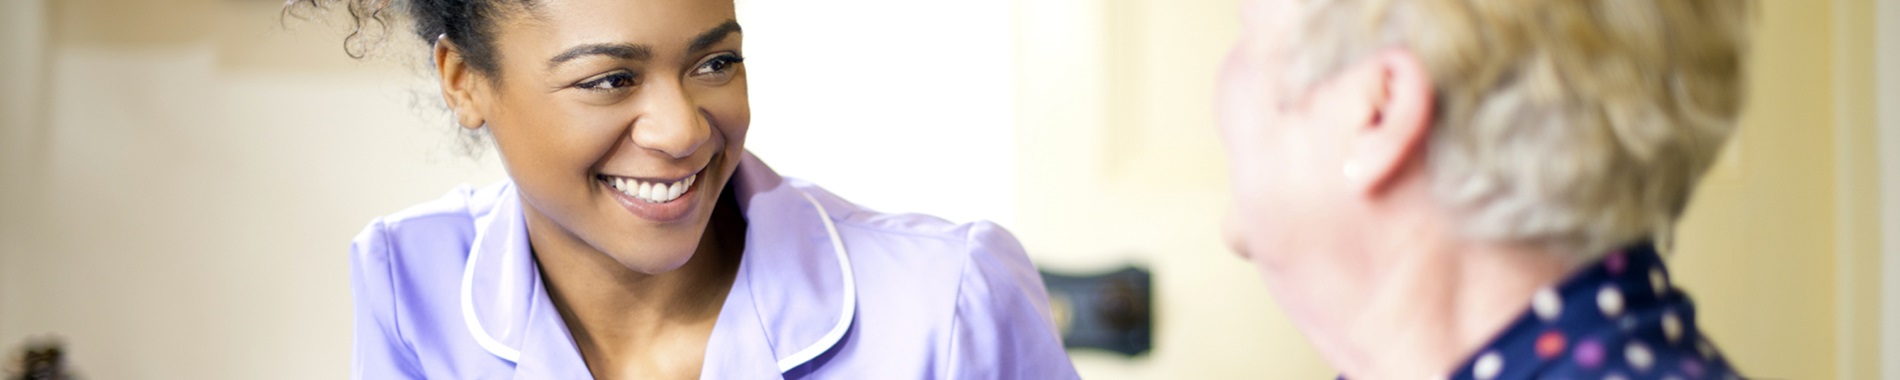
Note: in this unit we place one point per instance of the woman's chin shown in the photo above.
(653, 248)
(654, 263)
(654, 255)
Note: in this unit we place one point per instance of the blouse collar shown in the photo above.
(1616, 317)
(792, 300)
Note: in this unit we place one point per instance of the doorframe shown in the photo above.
(1886, 112)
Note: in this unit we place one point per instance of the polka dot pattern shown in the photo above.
(1488, 366)
(1610, 301)
(1590, 354)
(1658, 281)
(1547, 305)
(1671, 327)
(1618, 319)
(1638, 356)
(1551, 344)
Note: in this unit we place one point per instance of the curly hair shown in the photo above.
(469, 24)
(1579, 125)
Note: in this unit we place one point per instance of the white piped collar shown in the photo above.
(797, 275)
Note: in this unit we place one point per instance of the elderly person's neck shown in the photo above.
(1433, 297)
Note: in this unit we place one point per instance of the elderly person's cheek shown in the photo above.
(1239, 109)
(1227, 97)
(1239, 135)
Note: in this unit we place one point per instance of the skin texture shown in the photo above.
(1333, 206)
(648, 89)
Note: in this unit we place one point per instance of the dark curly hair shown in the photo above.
(469, 24)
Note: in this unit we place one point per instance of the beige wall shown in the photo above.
(196, 177)
(181, 177)
(1760, 244)
(1120, 166)
(22, 35)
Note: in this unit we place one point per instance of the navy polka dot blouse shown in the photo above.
(1616, 319)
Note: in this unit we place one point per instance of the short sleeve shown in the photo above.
(379, 349)
(1002, 325)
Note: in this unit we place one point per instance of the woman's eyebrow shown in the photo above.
(714, 35)
(643, 52)
(616, 50)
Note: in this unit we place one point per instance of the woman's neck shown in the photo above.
(1436, 300)
(629, 324)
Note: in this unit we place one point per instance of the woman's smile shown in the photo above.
(657, 199)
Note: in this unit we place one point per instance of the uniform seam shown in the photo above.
(395, 308)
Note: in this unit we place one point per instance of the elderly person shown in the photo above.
(1479, 189)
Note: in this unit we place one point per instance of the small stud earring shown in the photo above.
(1353, 171)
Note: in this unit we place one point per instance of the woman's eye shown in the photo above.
(608, 83)
(718, 65)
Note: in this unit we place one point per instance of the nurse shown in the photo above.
(636, 238)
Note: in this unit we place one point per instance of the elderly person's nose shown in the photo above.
(1230, 233)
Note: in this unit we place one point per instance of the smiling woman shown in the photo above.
(636, 238)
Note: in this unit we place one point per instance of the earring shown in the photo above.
(1353, 171)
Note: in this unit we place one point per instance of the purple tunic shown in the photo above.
(450, 290)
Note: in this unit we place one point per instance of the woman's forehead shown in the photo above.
(667, 25)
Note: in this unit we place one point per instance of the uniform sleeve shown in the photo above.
(380, 352)
(1002, 328)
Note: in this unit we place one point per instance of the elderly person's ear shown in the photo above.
(1390, 121)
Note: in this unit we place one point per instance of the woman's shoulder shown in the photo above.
(918, 256)
(438, 231)
(972, 282)
(921, 234)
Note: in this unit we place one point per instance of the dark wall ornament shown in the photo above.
(1111, 311)
(41, 358)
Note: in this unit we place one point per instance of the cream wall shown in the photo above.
(1120, 166)
(22, 33)
(181, 177)
(1760, 245)
(193, 180)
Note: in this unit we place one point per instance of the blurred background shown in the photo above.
(180, 179)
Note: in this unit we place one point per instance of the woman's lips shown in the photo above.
(651, 192)
(658, 201)
(648, 204)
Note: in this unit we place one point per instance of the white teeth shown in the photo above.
(652, 192)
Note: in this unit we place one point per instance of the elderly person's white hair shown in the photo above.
(1578, 125)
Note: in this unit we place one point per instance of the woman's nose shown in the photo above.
(670, 122)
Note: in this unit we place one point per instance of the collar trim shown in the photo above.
(849, 306)
(505, 223)
(475, 324)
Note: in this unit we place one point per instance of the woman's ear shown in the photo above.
(459, 84)
(1390, 138)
